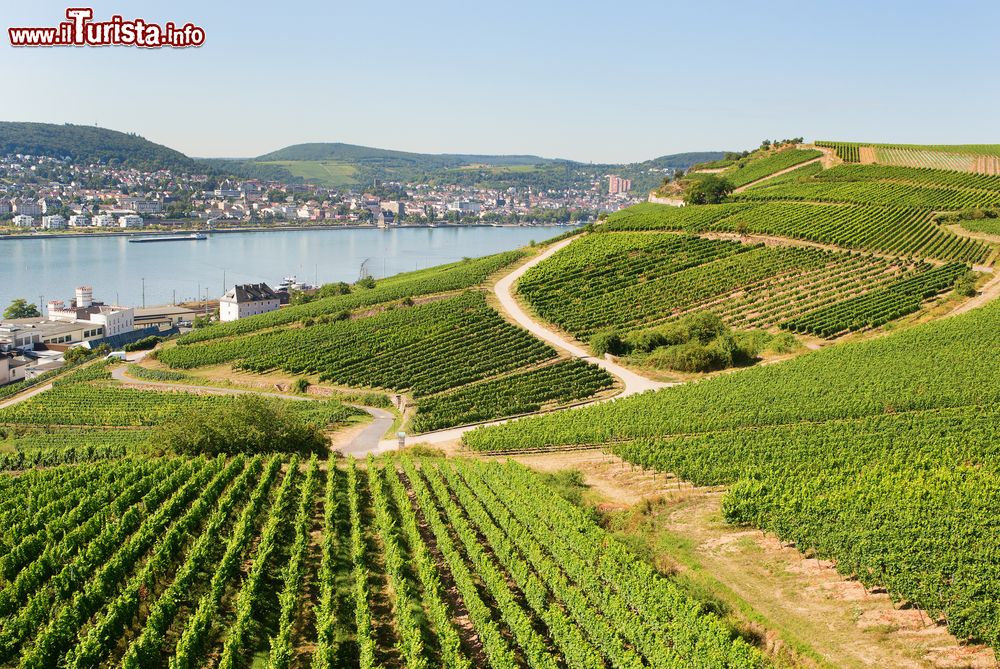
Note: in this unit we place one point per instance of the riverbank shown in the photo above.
(274, 228)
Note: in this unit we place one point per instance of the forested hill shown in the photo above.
(90, 144)
(389, 158)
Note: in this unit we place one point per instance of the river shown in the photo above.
(44, 269)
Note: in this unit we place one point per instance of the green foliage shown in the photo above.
(900, 231)
(749, 170)
(607, 341)
(144, 344)
(519, 393)
(251, 425)
(710, 189)
(426, 349)
(21, 308)
(87, 144)
(917, 369)
(165, 375)
(301, 385)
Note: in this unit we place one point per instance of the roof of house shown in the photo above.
(251, 292)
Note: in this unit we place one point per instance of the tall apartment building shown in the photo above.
(616, 185)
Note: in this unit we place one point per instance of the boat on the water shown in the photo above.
(196, 236)
(290, 283)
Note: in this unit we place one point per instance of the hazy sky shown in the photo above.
(593, 81)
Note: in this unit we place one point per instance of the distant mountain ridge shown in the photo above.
(366, 154)
(332, 164)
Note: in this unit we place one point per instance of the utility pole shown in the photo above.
(173, 300)
(143, 292)
(41, 300)
(224, 282)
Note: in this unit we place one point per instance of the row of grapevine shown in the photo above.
(522, 566)
(520, 393)
(877, 307)
(744, 173)
(444, 278)
(633, 301)
(904, 501)
(891, 230)
(918, 368)
(883, 192)
(107, 405)
(426, 348)
(846, 151)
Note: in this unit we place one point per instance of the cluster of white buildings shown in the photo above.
(59, 222)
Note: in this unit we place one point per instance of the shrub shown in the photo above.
(607, 342)
(301, 385)
(250, 424)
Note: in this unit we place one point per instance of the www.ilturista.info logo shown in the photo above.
(81, 30)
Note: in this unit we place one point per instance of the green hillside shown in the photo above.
(88, 144)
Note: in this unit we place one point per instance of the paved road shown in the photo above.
(370, 439)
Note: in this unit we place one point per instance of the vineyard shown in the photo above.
(439, 279)
(947, 363)
(850, 151)
(884, 192)
(894, 230)
(629, 281)
(753, 170)
(426, 348)
(880, 455)
(287, 563)
(107, 405)
(520, 393)
(877, 307)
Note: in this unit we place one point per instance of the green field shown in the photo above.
(328, 173)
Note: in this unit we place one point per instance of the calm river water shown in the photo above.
(51, 268)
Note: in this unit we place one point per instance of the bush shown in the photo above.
(708, 190)
(249, 424)
(965, 285)
(301, 385)
(144, 344)
(607, 342)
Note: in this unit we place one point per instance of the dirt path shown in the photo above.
(776, 174)
(989, 292)
(503, 290)
(803, 604)
(634, 383)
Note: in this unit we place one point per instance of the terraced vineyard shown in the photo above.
(753, 170)
(211, 561)
(849, 151)
(105, 405)
(524, 392)
(877, 307)
(443, 278)
(880, 455)
(893, 230)
(628, 281)
(426, 349)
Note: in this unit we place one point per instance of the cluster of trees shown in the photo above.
(21, 308)
(252, 425)
(701, 342)
(708, 190)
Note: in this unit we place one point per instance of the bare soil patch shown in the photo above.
(867, 156)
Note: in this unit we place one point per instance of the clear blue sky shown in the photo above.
(593, 81)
